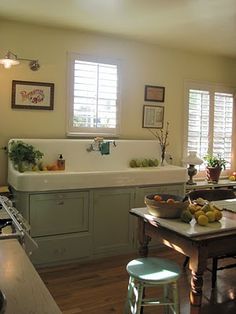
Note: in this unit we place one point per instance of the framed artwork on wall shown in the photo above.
(32, 95)
(153, 117)
(154, 93)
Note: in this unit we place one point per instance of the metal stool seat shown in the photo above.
(151, 272)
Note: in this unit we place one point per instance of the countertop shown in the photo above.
(192, 229)
(19, 281)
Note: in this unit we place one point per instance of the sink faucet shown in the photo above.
(100, 145)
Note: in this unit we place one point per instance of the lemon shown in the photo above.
(218, 214)
(198, 213)
(202, 220)
(211, 216)
(232, 178)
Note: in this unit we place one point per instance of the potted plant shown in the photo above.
(214, 166)
(23, 156)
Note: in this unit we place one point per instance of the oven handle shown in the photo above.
(29, 243)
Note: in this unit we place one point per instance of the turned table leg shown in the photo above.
(143, 238)
(197, 265)
(196, 289)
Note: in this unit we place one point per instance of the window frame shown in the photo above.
(90, 132)
(211, 88)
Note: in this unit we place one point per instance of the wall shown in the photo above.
(141, 64)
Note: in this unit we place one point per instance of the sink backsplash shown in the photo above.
(79, 159)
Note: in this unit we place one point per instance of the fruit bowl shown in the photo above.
(169, 206)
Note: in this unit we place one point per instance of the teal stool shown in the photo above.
(152, 272)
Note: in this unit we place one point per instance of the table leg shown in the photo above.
(197, 265)
(196, 288)
(143, 238)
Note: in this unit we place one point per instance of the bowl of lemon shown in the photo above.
(165, 205)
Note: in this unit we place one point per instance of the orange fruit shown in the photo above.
(170, 201)
(157, 198)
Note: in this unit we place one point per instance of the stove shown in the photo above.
(14, 226)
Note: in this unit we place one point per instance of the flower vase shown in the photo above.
(163, 153)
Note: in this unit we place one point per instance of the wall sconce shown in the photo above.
(12, 59)
(192, 160)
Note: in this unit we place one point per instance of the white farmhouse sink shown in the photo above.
(61, 180)
(92, 170)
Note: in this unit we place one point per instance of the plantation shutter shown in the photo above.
(95, 97)
(223, 124)
(210, 123)
(198, 121)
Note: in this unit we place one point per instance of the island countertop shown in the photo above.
(192, 229)
(19, 281)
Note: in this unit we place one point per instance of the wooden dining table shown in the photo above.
(197, 242)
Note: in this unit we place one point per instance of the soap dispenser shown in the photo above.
(61, 163)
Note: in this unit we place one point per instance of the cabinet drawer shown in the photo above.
(55, 249)
(58, 213)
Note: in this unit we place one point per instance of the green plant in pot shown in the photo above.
(214, 166)
(23, 156)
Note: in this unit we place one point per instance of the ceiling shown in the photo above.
(207, 26)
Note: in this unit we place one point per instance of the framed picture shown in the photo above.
(32, 95)
(154, 93)
(153, 117)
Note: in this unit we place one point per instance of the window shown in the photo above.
(93, 96)
(209, 120)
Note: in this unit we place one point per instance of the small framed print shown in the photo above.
(153, 117)
(32, 95)
(154, 93)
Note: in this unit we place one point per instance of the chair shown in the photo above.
(213, 195)
(152, 272)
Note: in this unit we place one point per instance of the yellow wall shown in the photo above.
(141, 64)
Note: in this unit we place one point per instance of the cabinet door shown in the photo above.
(58, 213)
(112, 222)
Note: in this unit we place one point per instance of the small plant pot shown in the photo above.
(213, 174)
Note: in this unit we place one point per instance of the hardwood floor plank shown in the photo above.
(100, 287)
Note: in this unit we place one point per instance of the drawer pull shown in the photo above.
(60, 203)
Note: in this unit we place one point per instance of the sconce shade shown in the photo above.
(7, 63)
(193, 159)
(12, 59)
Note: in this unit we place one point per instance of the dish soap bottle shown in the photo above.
(61, 163)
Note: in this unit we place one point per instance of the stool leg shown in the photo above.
(139, 299)
(134, 299)
(176, 298)
(129, 296)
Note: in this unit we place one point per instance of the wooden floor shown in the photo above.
(99, 287)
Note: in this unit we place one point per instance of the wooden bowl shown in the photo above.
(163, 209)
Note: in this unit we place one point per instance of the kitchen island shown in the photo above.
(197, 242)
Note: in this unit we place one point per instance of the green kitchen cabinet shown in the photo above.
(71, 225)
(112, 223)
(60, 225)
